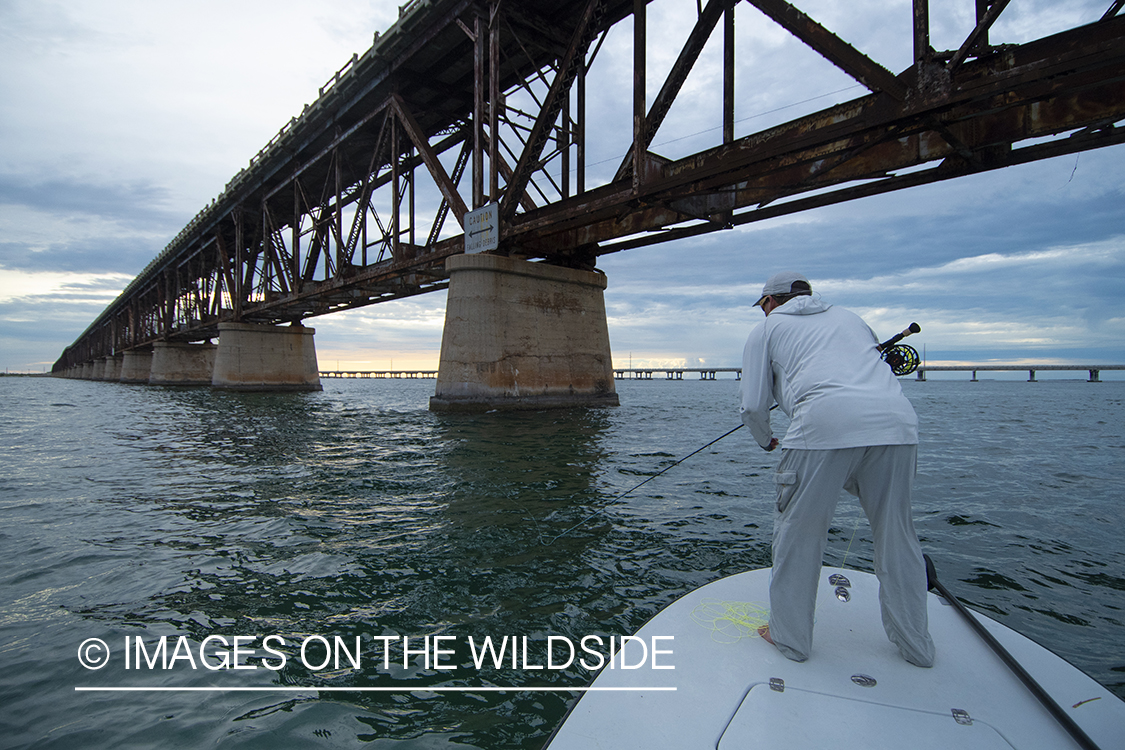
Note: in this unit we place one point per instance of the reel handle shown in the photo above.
(912, 328)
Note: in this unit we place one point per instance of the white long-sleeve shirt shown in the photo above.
(821, 364)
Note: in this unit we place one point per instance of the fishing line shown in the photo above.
(730, 622)
(893, 355)
(631, 489)
(849, 549)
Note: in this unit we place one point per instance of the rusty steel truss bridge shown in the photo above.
(467, 103)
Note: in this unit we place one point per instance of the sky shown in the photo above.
(121, 119)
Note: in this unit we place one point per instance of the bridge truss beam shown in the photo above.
(468, 102)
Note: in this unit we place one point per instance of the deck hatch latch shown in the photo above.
(777, 684)
(961, 716)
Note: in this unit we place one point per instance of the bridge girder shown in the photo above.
(466, 102)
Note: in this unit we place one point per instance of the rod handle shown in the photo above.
(910, 329)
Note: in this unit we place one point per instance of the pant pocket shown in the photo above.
(786, 488)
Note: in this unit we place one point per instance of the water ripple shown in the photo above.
(355, 512)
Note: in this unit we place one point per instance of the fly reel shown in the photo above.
(902, 358)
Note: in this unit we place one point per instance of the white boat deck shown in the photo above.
(855, 691)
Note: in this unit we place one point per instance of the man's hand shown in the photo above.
(773, 444)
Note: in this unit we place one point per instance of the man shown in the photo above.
(851, 428)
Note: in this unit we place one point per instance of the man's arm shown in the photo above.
(757, 389)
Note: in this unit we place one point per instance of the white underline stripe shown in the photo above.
(420, 689)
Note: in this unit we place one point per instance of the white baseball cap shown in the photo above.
(781, 283)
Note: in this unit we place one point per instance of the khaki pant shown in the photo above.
(808, 487)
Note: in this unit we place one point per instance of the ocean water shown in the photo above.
(128, 514)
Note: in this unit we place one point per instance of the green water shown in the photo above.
(356, 513)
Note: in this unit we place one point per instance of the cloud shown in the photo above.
(412, 324)
(21, 286)
(43, 312)
(70, 195)
(978, 274)
(50, 242)
(1060, 297)
(60, 223)
(179, 93)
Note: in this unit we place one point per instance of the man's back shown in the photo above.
(827, 375)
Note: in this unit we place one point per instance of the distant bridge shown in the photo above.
(1094, 370)
(709, 373)
(712, 373)
(380, 374)
(673, 373)
(475, 111)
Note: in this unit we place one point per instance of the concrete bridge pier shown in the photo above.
(266, 358)
(113, 368)
(176, 363)
(98, 372)
(522, 335)
(136, 366)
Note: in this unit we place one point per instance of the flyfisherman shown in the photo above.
(850, 428)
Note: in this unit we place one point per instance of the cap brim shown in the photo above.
(763, 299)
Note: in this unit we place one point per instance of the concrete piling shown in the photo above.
(136, 366)
(175, 363)
(266, 358)
(523, 335)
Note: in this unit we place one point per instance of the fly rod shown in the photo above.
(637, 486)
(910, 329)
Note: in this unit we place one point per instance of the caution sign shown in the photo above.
(482, 229)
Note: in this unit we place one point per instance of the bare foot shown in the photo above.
(764, 631)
